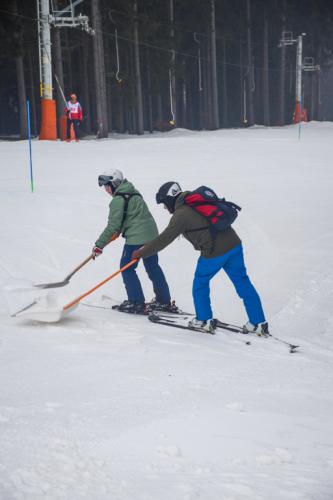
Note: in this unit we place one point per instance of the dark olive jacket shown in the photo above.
(183, 221)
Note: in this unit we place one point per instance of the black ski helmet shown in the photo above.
(168, 193)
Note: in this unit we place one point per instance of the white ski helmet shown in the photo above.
(111, 178)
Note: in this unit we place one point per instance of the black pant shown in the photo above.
(76, 124)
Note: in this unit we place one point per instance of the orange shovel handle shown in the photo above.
(78, 299)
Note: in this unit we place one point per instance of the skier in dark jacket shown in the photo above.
(224, 251)
(137, 226)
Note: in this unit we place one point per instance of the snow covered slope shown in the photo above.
(103, 405)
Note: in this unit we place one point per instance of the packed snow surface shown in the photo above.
(101, 405)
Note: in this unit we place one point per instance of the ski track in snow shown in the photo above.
(104, 405)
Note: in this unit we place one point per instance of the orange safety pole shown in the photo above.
(48, 129)
(78, 299)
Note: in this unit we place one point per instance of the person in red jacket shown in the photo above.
(74, 116)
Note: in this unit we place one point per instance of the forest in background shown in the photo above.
(156, 64)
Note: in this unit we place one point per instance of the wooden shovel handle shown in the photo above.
(78, 267)
(114, 237)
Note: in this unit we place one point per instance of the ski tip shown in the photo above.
(154, 318)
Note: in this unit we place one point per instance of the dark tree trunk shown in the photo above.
(69, 79)
(214, 94)
(242, 89)
(282, 75)
(208, 112)
(21, 90)
(138, 83)
(198, 88)
(59, 74)
(85, 85)
(99, 66)
(159, 108)
(22, 98)
(149, 94)
(224, 87)
(319, 88)
(266, 74)
(250, 75)
(172, 77)
(32, 95)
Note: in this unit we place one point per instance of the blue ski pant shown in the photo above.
(154, 271)
(232, 263)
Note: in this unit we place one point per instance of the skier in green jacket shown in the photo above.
(130, 216)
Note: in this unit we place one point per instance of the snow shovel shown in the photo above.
(58, 284)
(68, 277)
(78, 299)
(54, 314)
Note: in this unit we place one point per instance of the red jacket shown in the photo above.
(74, 110)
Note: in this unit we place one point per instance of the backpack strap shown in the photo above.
(231, 204)
(126, 197)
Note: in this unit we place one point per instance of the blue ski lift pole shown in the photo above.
(30, 155)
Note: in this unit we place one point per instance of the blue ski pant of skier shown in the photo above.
(232, 263)
(154, 271)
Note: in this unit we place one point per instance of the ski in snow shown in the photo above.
(168, 320)
(292, 347)
(116, 307)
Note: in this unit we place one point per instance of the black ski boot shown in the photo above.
(155, 306)
(131, 307)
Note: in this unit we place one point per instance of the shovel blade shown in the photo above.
(58, 284)
(47, 315)
(24, 309)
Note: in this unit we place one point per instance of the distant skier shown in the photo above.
(74, 116)
(130, 216)
(224, 251)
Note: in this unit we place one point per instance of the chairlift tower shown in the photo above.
(288, 39)
(63, 18)
(306, 64)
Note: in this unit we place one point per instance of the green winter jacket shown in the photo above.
(139, 225)
(190, 224)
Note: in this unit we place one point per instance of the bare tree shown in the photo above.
(139, 105)
(250, 72)
(214, 94)
(172, 76)
(242, 92)
(59, 73)
(22, 97)
(266, 72)
(224, 87)
(85, 87)
(282, 76)
(99, 66)
(32, 86)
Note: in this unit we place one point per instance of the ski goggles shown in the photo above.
(104, 180)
